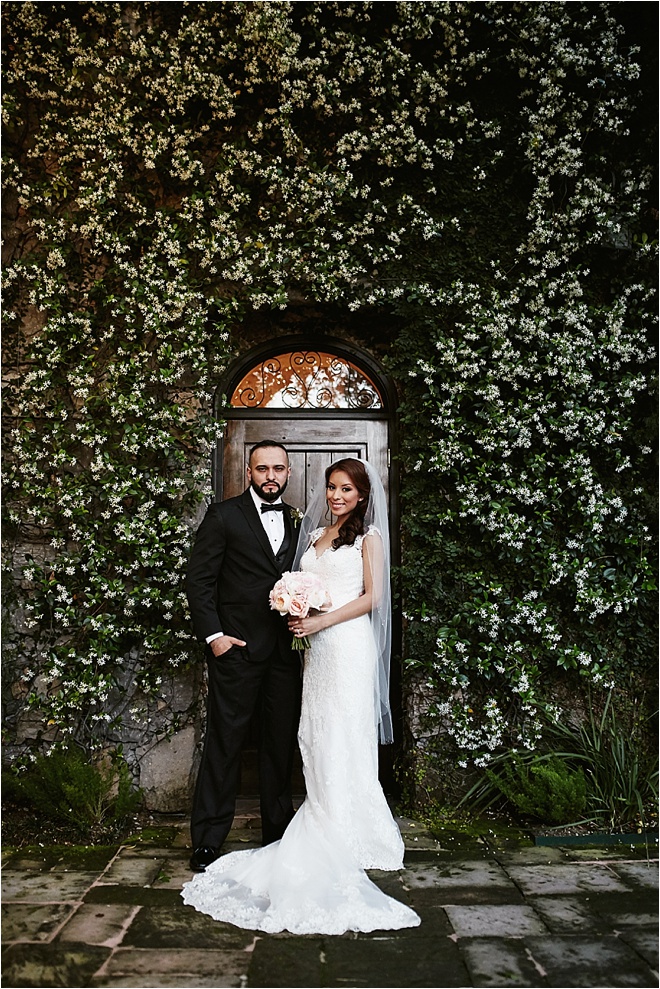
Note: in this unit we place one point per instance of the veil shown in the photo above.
(378, 552)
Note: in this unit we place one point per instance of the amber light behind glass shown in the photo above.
(306, 379)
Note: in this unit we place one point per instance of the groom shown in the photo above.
(242, 548)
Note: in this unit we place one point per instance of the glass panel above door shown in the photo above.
(306, 379)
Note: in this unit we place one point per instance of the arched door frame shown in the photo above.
(335, 345)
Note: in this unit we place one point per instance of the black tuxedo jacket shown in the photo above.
(231, 572)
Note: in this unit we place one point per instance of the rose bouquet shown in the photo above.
(296, 594)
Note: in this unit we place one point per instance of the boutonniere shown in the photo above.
(296, 517)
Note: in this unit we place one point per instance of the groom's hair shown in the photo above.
(267, 443)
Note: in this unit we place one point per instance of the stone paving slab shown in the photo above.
(283, 961)
(609, 961)
(613, 853)
(463, 895)
(46, 887)
(644, 940)
(559, 963)
(191, 967)
(30, 922)
(501, 962)
(492, 915)
(453, 875)
(569, 915)
(530, 855)
(627, 916)
(30, 966)
(512, 920)
(60, 858)
(137, 895)
(174, 872)
(467, 882)
(388, 961)
(565, 878)
(103, 925)
(639, 873)
(162, 927)
(132, 869)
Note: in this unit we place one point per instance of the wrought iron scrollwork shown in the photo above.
(306, 379)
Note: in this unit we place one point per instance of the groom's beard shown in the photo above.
(269, 495)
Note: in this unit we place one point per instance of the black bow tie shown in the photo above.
(273, 508)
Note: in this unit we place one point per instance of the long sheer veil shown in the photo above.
(378, 551)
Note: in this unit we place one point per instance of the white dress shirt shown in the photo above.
(273, 522)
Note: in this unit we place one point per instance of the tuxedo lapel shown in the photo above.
(290, 534)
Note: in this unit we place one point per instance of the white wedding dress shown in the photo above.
(313, 881)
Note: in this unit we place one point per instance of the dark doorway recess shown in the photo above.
(324, 400)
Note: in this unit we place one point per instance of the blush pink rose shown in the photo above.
(280, 601)
(299, 606)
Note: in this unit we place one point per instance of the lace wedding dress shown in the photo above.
(313, 880)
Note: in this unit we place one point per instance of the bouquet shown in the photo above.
(297, 593)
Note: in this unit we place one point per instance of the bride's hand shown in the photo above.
(306, 626)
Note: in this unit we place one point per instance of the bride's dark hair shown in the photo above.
(353, 526)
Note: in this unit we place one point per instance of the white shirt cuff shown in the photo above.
(210, 638)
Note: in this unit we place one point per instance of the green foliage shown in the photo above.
(474, 175)
(65, 786)
(547, 789)
(602, 768)
(620, 761)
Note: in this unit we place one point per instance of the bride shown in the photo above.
(313, 881)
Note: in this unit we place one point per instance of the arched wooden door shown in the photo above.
(312, 443)
(322, 404)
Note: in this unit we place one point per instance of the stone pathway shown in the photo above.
(494, 913)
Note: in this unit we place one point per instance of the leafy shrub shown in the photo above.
(610, 752)
(547, 789)
(66, 786)
(620, 766)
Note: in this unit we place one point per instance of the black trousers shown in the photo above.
(237, 687)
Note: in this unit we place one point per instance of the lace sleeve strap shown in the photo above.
(371, 531)
(313, 537)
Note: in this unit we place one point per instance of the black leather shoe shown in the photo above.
(202, 857)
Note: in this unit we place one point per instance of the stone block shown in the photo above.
(99, 925)
(569, 915)
(25, 966)
(288, 962)
(565, 879)
(29, 922)
(166, 929)
(589, 961)
(513, 920)
(167, 773)
(136, 895)
(644, 940)
(176, 969)
(133, 869)
(500, 962)
(181, 692)
(637, 874)
(450, 875)
(392, 960)
(173, 873)
(46, 887)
